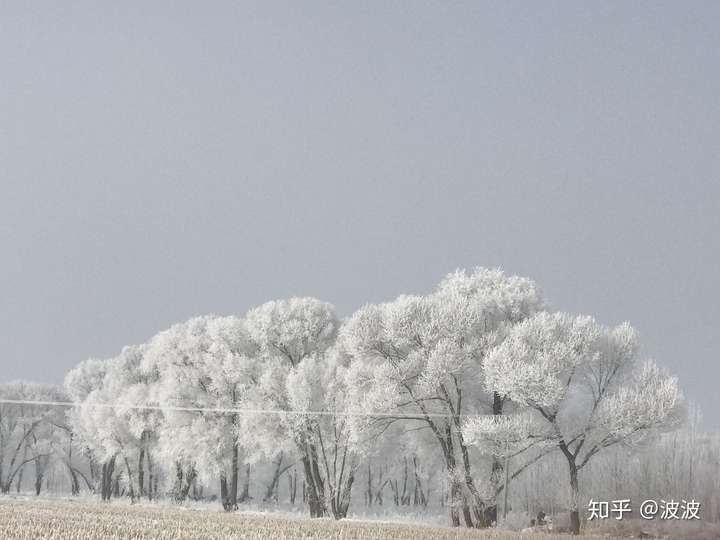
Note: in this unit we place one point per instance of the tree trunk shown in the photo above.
(189, 479)
(18, 483)
(489, 514)
(381, 487)
(74, 482)
(130, 480)
(475, 512)
(270, 492)
(233, 494)
(369, 494)
(150, 475)
(455, 488)
(183, 482)
(223, 491)
(455, 492)
(314, 499)
(405, 498)
(21, 471)
(395, 493)
(141, 473)
(103, 475)
(574, 499)
(38, 482)
(245, 496)
(419, 497)
(178, 481)
(108, 469)
(345, 497)
(94, 473)
(292, 485)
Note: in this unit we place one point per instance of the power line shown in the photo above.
(225, 410)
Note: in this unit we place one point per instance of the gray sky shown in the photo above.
(160, 160)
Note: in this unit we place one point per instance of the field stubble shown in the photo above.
(22, 519)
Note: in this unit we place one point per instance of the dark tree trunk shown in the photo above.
(74, 482)
(574, 499)
(405, 497)
(151, 486)
(18, 486)
(245, 496)
(381, 488)
(455, 493)
(103, 476)
(223, 490)
(489, 514)
(369, 493)
(455, 488)
(131, 489)
(271, 492)
(189, 481)
(183, 482)
(106, 479)
(178, 481)
(314, 494)
(233, 493)
(141, 473)
(292, 485)
(419, 497)
(18, 482)
(345, 497)
(394, 489)
(38, 482)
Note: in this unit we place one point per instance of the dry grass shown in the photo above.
(674, 529)
(83, 520)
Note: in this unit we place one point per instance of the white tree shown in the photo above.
(206, 363)
(80, 382)
(288, 333)
(108, 422)
(420, 358)
(585, 385)
(129, 387)
(48, 440)
(84, 378)
(402, 462)
(317, 385)
(27, 431)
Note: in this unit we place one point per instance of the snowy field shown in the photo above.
(27, 519)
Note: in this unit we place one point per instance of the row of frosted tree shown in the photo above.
(453, 395)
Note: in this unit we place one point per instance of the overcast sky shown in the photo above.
(160, 160)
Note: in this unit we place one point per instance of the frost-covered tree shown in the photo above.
(48, 439)
(107, 422)
(317, 384)
(288, 334)
(586, 386)
(84, 378)
(419, 359)
(205, 365)
(402, 467)
(79, 383)
(130, 387)
(27, 431)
